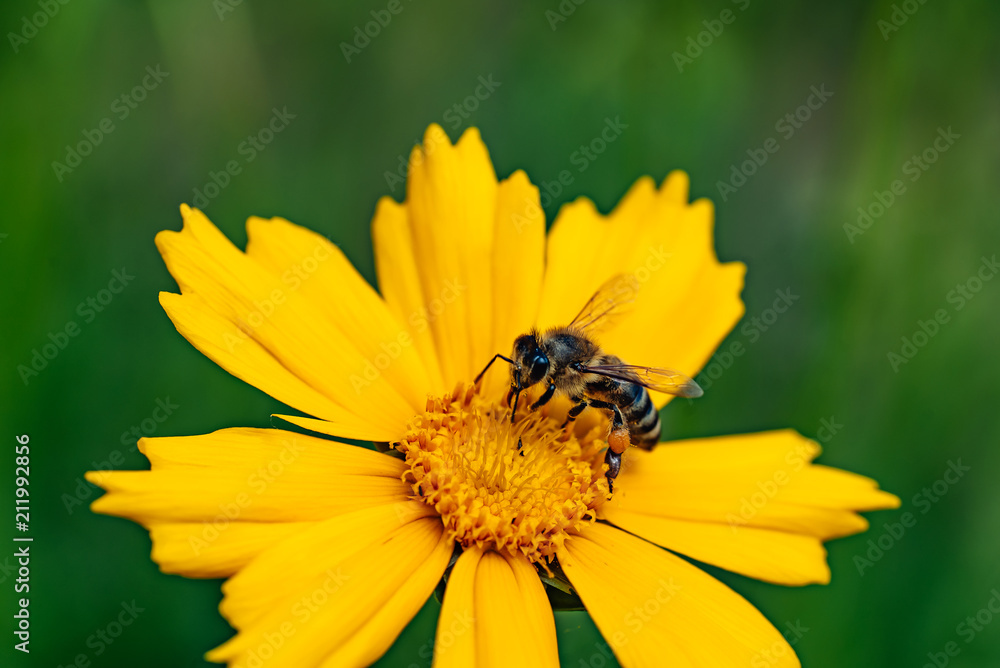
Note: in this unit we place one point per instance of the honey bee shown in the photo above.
(568, 360)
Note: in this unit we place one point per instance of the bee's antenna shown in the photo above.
(517, 392)
(487, 368)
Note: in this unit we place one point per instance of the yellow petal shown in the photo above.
(399, 281)
(827, 487)
(249, 475)
(336, 361)
(762, 480)
(518, 266)
(203, 550)
(251, 594)
(676, 187)
(451, 199)
(533, 612)
(372, 640)
(773, 556)
(455, 641)
(362, 432)
(348, 605)
(495, 613)
(687, 300)
(310, 264)
(461, 261)
(655, 609)
(227, 345)
(511, 603)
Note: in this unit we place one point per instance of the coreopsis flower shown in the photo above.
(331, 548)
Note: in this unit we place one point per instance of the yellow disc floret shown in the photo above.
(521, 487)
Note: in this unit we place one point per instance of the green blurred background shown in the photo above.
(230, 64)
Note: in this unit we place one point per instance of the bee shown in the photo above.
(567, 360)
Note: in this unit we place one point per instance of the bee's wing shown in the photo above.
(658, 380)
(611, 300)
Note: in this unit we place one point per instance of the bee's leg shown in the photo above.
(617, 421)
(614, 461)
(579, 404)
(618, 440)
(544, 399)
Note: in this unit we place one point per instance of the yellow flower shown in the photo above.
(330, 549)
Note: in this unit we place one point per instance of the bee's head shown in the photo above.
(531, 363)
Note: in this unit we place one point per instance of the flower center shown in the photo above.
(465, 461)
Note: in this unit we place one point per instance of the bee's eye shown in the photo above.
(539, 367)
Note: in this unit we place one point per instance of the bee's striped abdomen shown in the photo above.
(643, 420)
(633, 401)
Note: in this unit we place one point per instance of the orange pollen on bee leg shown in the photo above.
(464, 461)
(618, 440)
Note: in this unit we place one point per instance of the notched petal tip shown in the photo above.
(644, 182)
(676, 187)
(144, 443)
(163, 239)
(520, 178)
(434, 136)
(703, 206)
(582, 205)
(471, 134)
(167, 298)
(386, 205)
(254, 222)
